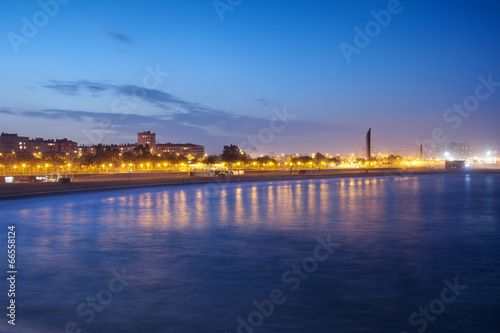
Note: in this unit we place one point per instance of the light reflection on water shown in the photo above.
(202, 255)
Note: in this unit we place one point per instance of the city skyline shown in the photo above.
(281, 77)
(11, 143)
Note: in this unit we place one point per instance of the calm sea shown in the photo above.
(397, 254)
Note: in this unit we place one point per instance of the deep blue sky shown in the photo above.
(225, 77)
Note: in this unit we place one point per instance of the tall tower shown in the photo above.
(421, 151)
(147, 138)
(369, 144)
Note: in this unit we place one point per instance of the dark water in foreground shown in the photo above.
(201, 255)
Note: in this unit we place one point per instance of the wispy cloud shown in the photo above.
(67, 88)
(75, 87)
(262, 101)
(6, 111)
(119, 37)
(160, 99)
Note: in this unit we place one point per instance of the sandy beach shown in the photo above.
(119, 181)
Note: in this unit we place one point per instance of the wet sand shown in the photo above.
(119, 181)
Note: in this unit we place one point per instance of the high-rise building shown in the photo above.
(147, 138)
(459, 150)
(368, 149)
(453, 151)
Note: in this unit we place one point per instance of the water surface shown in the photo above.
(200, 256)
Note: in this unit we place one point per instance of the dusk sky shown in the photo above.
(82, 70)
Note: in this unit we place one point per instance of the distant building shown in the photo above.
(51, 146)
(92, 150)
(125, 148)
(454, 151)
(187, 149)
(438, 152)
(459, 150)
(147, 138)
(39, 145)
(65, 146)
(86, 150)
(20, 144)
(12, 143)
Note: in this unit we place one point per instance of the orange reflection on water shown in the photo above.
(343, 203)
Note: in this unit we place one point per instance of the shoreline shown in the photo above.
(115, 182)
